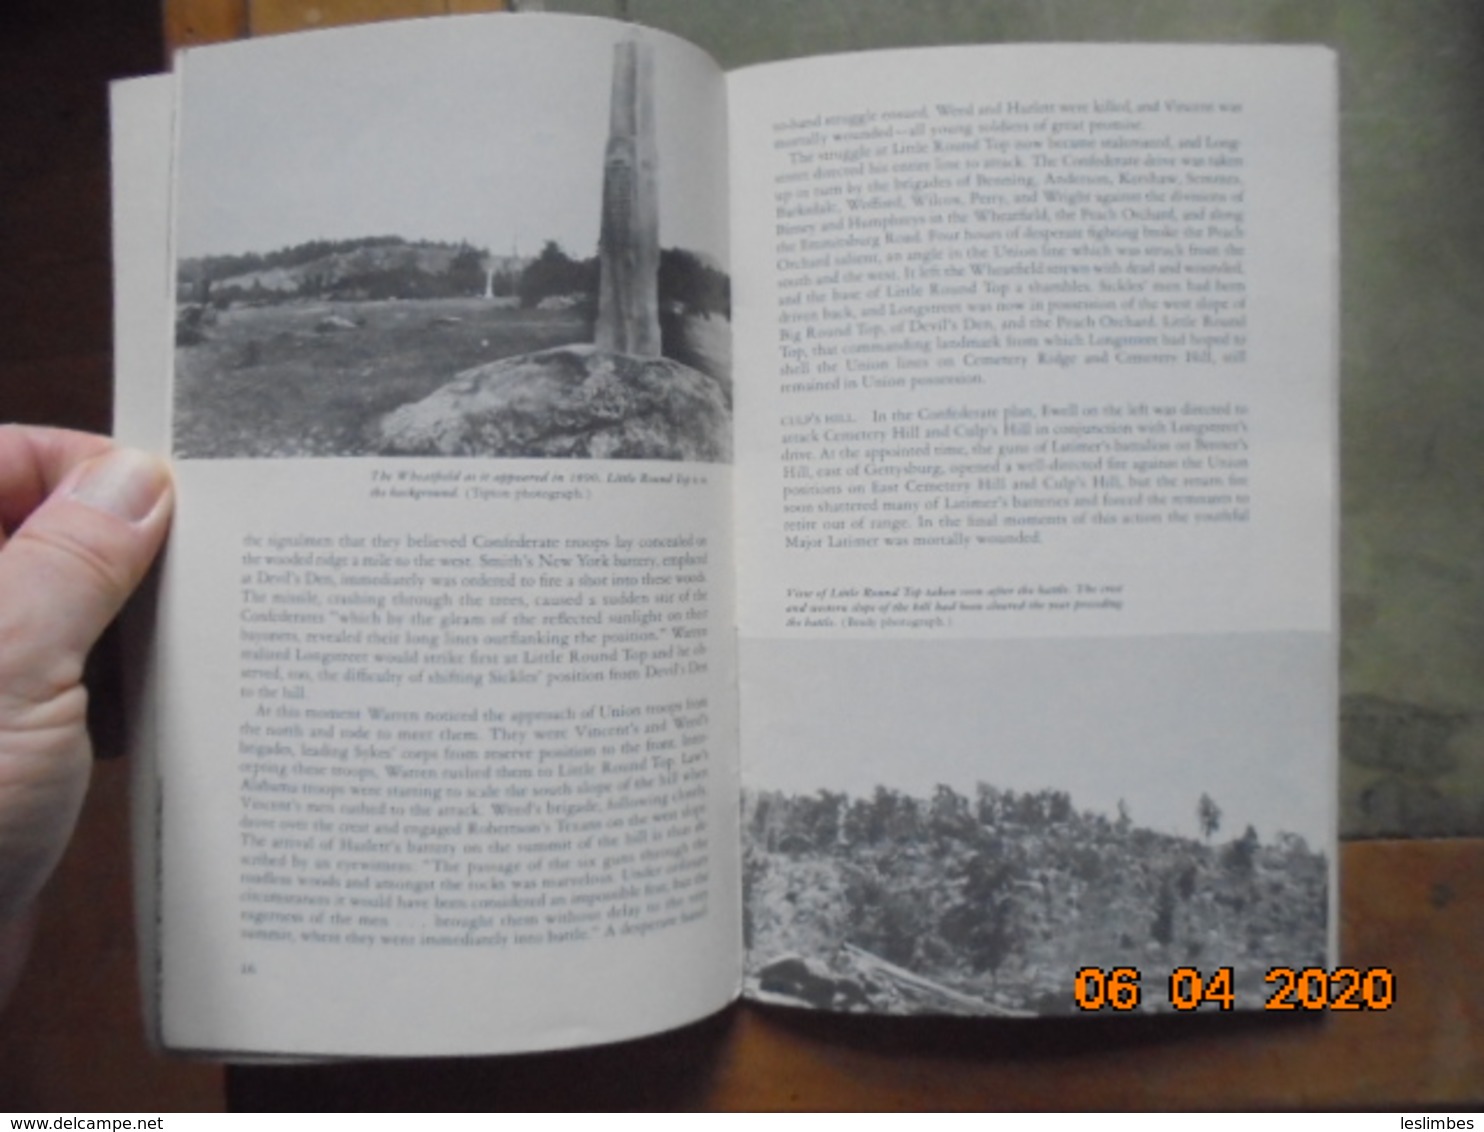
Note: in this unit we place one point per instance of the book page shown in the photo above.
(1036, 521)
(446, 700)
(142, 115)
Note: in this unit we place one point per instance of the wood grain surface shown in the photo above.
(270, 17)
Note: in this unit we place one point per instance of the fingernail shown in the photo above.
(126, 483)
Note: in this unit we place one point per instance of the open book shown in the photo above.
(856, 532)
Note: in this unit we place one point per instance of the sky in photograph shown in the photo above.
(1153, 721)
(485, 130)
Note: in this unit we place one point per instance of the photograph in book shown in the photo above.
(1007, 851)
(546, 291)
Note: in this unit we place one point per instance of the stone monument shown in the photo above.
(616, 397)
(629, 237)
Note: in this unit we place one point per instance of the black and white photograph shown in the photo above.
(976, 867)
(514, 260)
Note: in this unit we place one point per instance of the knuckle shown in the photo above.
(67, 551)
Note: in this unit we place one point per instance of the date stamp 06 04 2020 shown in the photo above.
(1306, 988)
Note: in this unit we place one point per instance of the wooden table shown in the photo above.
(1416, 907)
(189, 23)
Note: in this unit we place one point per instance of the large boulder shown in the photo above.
(575, 401)
(809, 981)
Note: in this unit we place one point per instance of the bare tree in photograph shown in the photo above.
(1209, 814)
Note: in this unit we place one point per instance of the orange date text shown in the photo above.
(1121, 989)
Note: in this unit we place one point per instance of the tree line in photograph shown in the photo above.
(389, 267)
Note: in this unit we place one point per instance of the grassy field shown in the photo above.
(276, 381)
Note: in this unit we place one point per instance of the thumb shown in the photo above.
(64, 574)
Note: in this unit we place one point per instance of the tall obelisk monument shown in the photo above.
(617, 398)
(629, 238)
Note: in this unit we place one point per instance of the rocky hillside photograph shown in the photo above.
(990, 905)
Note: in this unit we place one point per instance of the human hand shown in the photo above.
(80, 521)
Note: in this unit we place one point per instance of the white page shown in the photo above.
(142, 119)
(480, 919)
(142, 113)
(1037, 492)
